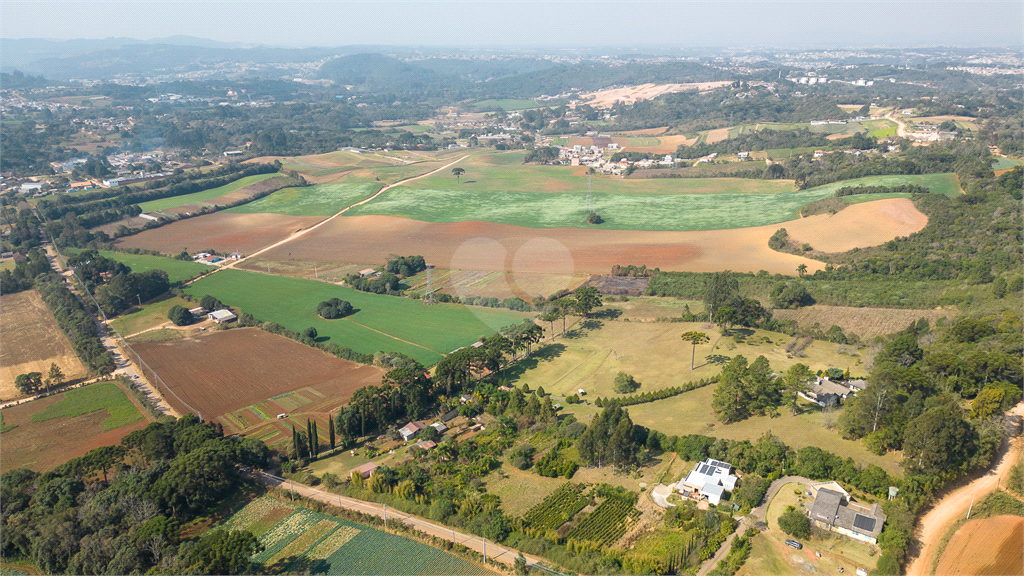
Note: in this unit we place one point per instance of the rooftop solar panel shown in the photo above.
(862, 522)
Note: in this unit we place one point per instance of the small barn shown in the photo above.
(365, 470)
(219, 316)
(410, 430)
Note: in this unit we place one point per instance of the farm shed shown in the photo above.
(425, 445)
(440, 427)
(219, 316)
(365, 470)
(197, 311)
(410, 430)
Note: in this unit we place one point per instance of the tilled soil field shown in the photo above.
(985, 547)
(221, 231)
(222, 371)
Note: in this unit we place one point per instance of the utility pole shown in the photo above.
(485, 551)
(970, 508)
(385, 517)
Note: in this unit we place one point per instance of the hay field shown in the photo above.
(51, 431)
(31, 341)
(221, 371)
(864, 322)
(220, 231)
(177, 270)
(150, 315)
(860, 225)
(991, 546)
(633, 94)
(379, 322)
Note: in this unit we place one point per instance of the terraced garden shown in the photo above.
(299, 540)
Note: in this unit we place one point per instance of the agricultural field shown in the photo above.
(506, 104)
(864, 322)
(212, 196)
(501, 285)
(558, 508)
(260, 420)
(31, 342)
(680, 211)
(48, 432)
(297, 539)
(769, 554)
(316, 200)
(151, 315)
(177, 270)
(989, 546)
(218, 372)
(594, 351)
(1005, 163)
(219, 231)
(379, 323)
(864, 224)
(607, 523)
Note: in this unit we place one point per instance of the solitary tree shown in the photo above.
(586, 299)
(330, 432)
(458, 172)
(801, 269)
(695, 338)
(55, 377)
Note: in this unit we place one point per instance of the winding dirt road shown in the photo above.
(947, 509)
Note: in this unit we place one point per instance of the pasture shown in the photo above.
(595, 350)
(655, 212)
(219, 231)
(864, 322)
(316, 200)
(150, 315)
(31, 341)
(379, 323)
(218, 372)
(202, 198)
(177, 270)
(297, 539)
(48, 432)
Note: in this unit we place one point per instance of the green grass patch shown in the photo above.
(177, 270)
(860, 198)
(175, 201)
(149, 316)
(317, 200)
(621, 211)
(102, 396)
(643, 141)
(380, 323)
(5, 427)
(506, 104)
(1003, 162)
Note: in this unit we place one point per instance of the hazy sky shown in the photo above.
(897, 23)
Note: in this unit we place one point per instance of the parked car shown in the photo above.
(794, 544)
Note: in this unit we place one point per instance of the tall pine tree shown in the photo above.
(314, 441)
(330, 431)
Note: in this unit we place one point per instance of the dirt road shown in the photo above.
(494, 551)
(947, 509)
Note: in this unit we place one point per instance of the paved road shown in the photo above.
(494, 551)
(954, 505)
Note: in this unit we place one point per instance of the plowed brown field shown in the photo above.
(219, 372)
(991, 546)
(498, 247)
(221, 231)
(30, 340)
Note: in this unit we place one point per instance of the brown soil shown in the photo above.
(41, 446)
(111, 227)
(859, 226)
(632, 94)
(30, 341)
(991, 546)
(221, 231)
(499, 247)
(717, 135)
(222, 371)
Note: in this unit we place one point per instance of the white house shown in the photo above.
(708, 481)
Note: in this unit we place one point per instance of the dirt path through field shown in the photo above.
(932, 525)
(494, 550)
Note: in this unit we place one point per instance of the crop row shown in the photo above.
(557, 508)
(608, 523)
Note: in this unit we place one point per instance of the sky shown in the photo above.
(684, 24)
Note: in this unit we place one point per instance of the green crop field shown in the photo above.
(177, 270)
(296, 538)
(1003, 162)
(175, 201)
(316, 200)
(379, 323)
(506, 104)
(643, 141)
(149, 316)
(620, 211)
(102, 396)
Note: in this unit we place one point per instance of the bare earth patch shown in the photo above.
(859, 226)
(221, 231)
(717, 135)
(632, 94)
(30, 340)
(864, 322)
(991, 546)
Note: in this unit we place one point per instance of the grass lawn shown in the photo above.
(316, 200)
(1003, 162)
(149, 316)
(379, 323)
(177, 270)
(595, 351)
(102, 396)
(770, 556)
(175, 201)
(7, 264)
(506, 104)
(681, 211)
(860, 198)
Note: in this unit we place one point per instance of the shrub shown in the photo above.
(594, 218)
(333, 308)
(624, 383)
(794, 523)
(309, 333)
(210, 303)
(180, 315)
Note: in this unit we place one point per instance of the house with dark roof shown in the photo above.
(835, 512)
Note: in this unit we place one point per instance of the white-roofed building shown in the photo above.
(708, 481)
